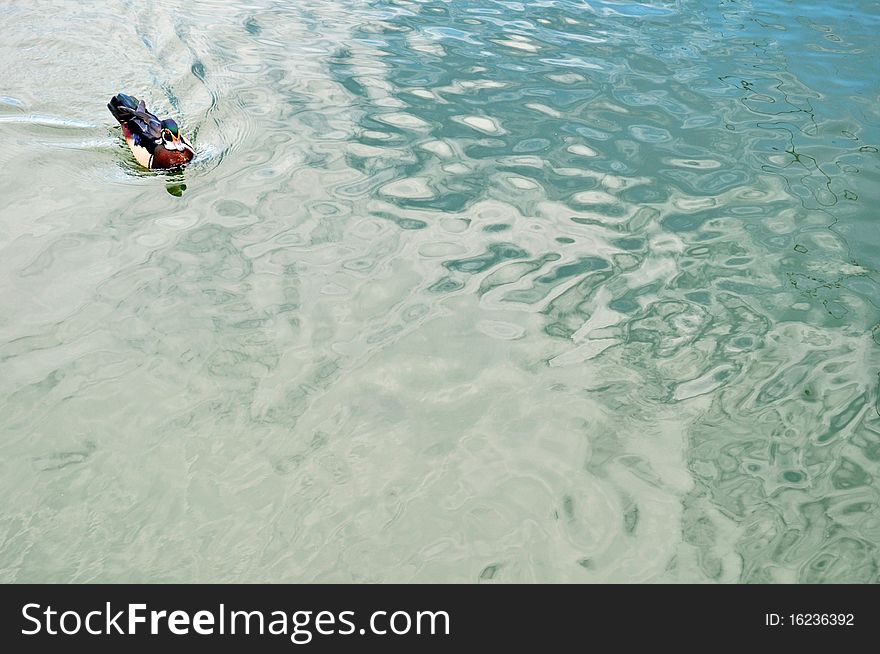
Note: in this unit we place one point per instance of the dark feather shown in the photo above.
(133, 112)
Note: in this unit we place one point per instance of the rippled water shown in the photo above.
(454, 291)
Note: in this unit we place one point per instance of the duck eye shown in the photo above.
(166, 135)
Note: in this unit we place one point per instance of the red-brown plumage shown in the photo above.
(163, 158)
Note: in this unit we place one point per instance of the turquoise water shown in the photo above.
(454, 291)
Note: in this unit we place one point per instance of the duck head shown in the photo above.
(172, 139)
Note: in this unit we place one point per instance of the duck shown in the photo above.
(155, 143)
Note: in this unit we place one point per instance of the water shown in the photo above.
(454, 291)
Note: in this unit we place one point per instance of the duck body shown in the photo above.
(155, 143)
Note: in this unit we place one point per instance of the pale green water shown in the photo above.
(464, 291)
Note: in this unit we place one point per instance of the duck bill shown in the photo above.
(182, 144)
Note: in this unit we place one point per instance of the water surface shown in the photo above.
(454, 291)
